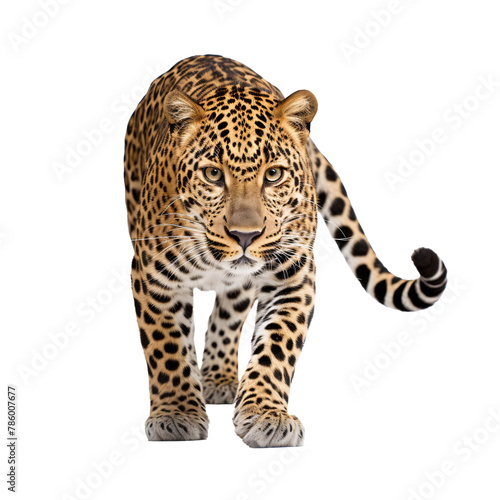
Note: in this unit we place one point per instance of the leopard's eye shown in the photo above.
(212, 174)
(274, 174)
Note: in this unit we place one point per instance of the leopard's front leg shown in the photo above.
(165, 320)
(261, 416)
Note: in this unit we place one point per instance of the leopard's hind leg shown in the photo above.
(220, 357)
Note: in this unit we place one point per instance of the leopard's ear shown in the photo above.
(181, 111)
(298, 109)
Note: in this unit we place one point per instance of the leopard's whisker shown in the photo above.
(174, 199)
(176, 225)
(163, 237)
(178, 238)
(175, 245)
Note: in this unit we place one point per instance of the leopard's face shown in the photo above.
(242, 171)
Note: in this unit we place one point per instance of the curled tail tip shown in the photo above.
(421, 293)
(427, 262)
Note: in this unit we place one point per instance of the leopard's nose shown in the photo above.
(244, 238)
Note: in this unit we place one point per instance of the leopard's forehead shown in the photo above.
(242, 132)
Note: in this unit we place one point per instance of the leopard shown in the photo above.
(223, 187)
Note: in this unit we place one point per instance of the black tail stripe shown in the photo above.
(432, 291)
(439, 279)
(397, 297)
(381, 291)
(416, 300)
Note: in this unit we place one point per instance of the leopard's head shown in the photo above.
(242, 171)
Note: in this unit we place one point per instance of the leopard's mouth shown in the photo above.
(244, 265)
(243, 261)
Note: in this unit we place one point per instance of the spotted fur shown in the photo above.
(223, 185)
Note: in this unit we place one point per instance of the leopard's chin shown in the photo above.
(244, 260)
(243, 265)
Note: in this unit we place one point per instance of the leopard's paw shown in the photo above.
(220, 394)
(176, 427)
(268, 428)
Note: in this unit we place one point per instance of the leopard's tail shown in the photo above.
(388, 289)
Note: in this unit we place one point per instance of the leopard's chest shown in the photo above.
(219, 281)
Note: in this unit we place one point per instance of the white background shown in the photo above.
(64, 239)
